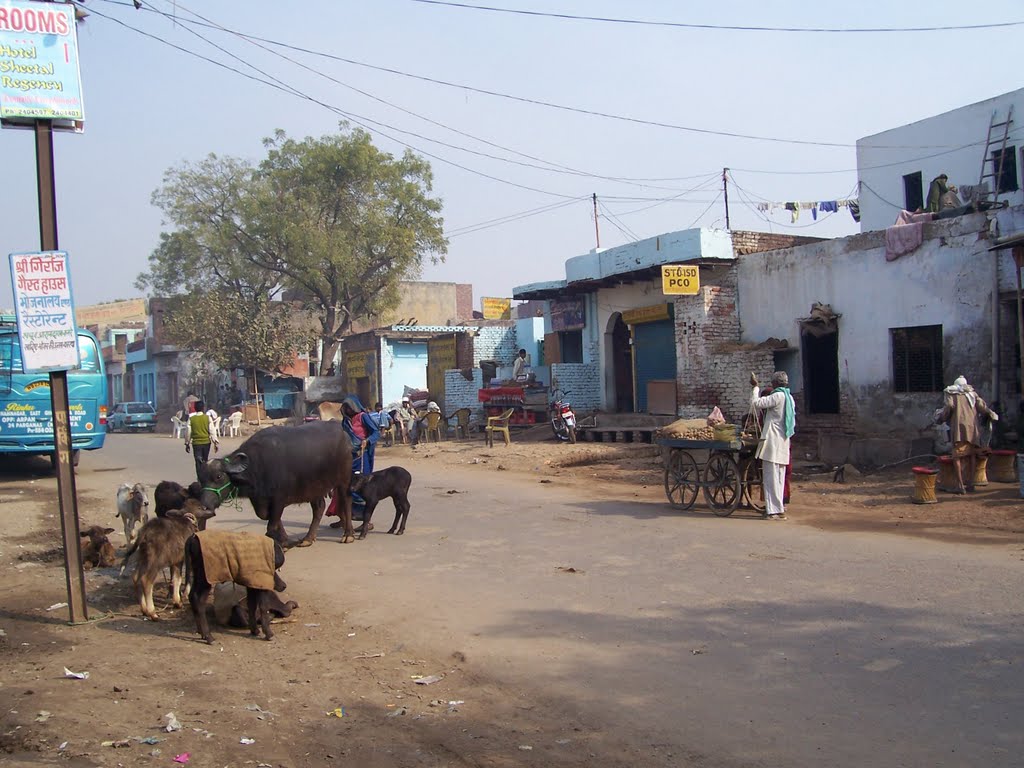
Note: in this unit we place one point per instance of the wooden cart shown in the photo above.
(728, 477)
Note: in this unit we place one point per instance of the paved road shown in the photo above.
(740, 641)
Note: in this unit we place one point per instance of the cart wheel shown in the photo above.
(682, 480)
(722, 484)
(753, 485)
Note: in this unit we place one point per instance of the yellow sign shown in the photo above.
(645, 314)
(677, 280)
(496, 309)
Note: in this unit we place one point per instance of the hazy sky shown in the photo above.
(149, 107)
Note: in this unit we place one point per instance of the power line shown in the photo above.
(704, 212)
(719, 27)
(357, 119)
(619, 225)
(555, 167)
(509, 218)
(541, 102)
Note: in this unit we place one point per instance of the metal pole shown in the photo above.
(597, 228)
(1018, 258)
(725, 191)
(66, 493)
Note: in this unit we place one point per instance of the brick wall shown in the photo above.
(460, 392)
(495, 342)
(463, 302)
(745, 242)
(582, 381)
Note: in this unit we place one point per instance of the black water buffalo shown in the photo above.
(279, 466)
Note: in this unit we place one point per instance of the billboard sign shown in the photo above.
(39, 73)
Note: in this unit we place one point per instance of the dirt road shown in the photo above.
(580, 622)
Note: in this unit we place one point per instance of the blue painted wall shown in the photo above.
(403, 364)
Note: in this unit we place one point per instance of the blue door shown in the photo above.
(654, 350)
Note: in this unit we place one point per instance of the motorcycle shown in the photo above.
(563, 420)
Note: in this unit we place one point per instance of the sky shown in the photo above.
(150, 107)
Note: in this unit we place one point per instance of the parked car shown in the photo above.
(131, 417)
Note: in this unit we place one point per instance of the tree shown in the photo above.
(335, 219)
(228, 334)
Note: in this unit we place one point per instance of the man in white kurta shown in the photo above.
(773, 449)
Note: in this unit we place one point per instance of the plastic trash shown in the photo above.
(150, 740)
(75, 675)
(172, 723)
(43, 716)
(246, 740)
(57, 606)
(429, 680)
(337, 712)
(184, 757)
(63, 746)
(525, 748)
(117, 744)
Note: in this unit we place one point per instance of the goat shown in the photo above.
(96, 549)
(132, 508)
(214, 557)
(161, 544)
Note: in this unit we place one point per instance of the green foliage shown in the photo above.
(334, 219)
(229, 334)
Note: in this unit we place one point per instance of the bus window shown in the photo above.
(89, 356)
(10, 354)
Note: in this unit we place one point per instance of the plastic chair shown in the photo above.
(434, 426)
(461, 417)
(178, 427)
(498, 424)
(215, 426)
(235, 424)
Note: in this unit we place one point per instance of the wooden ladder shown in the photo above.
(995, 138)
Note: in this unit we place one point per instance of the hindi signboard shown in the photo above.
(496, 309)
(679, 280)
(45, 311)
(39, 73)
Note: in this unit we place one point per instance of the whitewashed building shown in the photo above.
(896, 167)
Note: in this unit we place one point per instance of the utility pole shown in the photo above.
(597, 228)
(725, 191)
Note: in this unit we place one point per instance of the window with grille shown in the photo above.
(917, 358)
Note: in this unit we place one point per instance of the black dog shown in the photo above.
(392, 483)
(258, 601)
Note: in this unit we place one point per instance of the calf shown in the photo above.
(170, 495)
(97, 551)
(251, 561)
(392, 483)
(132, 508)
(161, 544)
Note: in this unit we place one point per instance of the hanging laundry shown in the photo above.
(854, 206)
(794, 208)
(828, 206)
(814, 211)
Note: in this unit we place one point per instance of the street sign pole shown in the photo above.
(66, 492)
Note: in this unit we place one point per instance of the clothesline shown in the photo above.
(824, 206)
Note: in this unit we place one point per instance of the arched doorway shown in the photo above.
(622, 366)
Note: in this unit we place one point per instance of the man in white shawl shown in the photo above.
(773, 449)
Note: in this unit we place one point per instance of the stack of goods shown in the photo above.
(726, 433)
(687, 429)
(418, 397)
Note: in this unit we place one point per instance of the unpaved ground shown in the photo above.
(280, 693)
(870, 502)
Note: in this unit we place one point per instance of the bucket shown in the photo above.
(1020, 473)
